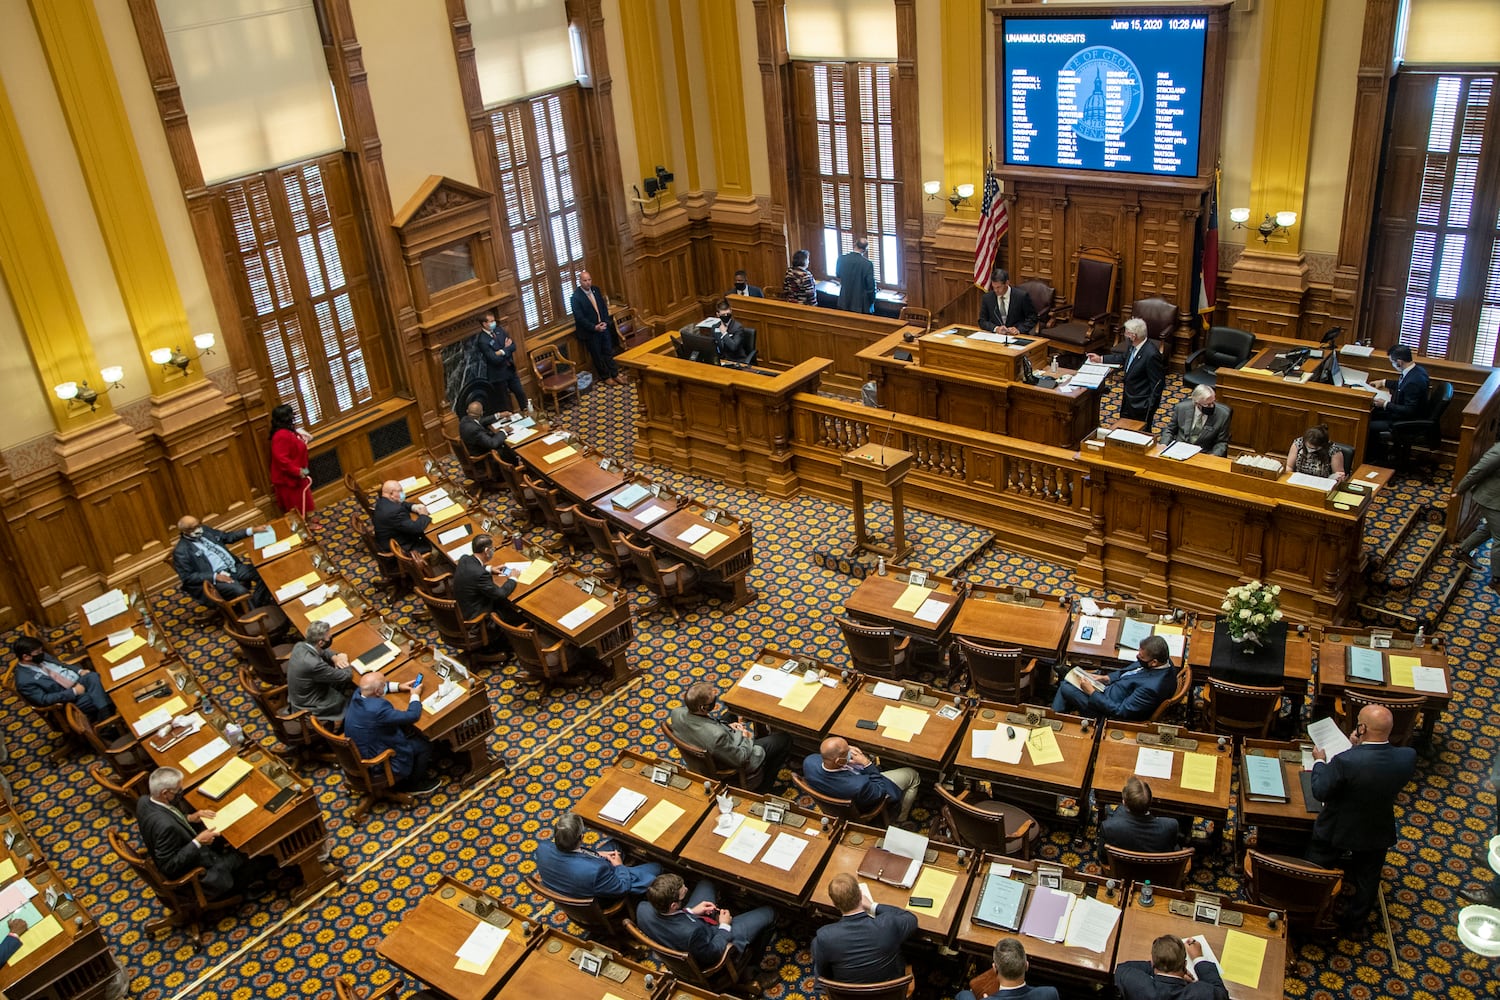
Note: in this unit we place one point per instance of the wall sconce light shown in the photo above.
(1270, 226)
(172, 356)
(961, 195)
(204, 342)
(932, 188)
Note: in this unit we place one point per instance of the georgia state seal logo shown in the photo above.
(1097, 89)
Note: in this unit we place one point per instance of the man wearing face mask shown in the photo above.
(1201, 420)
(1408, 399)
(318, 680)
(732, 337)
(43, 679)
(202, 556)
(179, 841)
(742, 286)
(396, 519)
(1144, 371)
(498, 352)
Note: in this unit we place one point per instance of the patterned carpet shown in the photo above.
(561, 739)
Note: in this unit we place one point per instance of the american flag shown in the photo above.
(993, 222)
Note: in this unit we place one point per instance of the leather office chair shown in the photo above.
(998, 827)
(183, 898)
(723, 976)
(546, 658)
(607, 546)
(361, 496)
(884, 813)
(1425, 430)
(290, 725)
(127, 792)
(1169, 868)
(555, 376)
(393, 580)
(476, 467)
(372, 780)
(559, 516)
(1304, 892)
(892, 989)
(345, 988)
(877, 650)
(111, 739)
(519, 491)
(266, 658)
(630, 331)
(700, 761)
(601, 921)
(269, 621)
(1043, 297)
(1087, 327)
(1160, 317)
(1179, 696)
(1405, 711)
(672, 583)
(1240, 709)
(997, 673)
(470, 636)
(1225, 347)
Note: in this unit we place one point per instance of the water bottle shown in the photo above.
(880, 566)
(1146, 893)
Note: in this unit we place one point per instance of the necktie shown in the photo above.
(598, 310)
(61, 680)
(1197, 421)
(1004, 308)
(1129, 358)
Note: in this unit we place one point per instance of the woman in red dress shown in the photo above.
(289, 478)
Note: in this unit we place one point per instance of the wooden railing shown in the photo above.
(787, 334)
(1479, 429)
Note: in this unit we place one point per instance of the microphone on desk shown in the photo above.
(886, 440)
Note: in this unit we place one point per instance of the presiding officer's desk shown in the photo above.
(1000, 616)
(1280, 827)
(705, 850)
(928, 749)
(944, 880)
(1142, 925)
(804, 712)
(546, 972)
(1120, 749)
(427, 938)
(1053, 789)
(974, 384)
(1399, 682)
(685, 791)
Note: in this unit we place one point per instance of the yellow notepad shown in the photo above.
(709, 542)
(532, 573)
(1167, 630)
(1401, 675)
(749, 823)
(306, 580)
(902, 722)
(559, 454)
(799, 696)
(225, 777)
(935, 884)
(36, 935)
(1243, 956)
(7, 870)
(322, 611)
(172, 707)
(124, 649)
(223, 819)
(655, 822)
(1042, 746)
(911, 598)
(448, 513)
(1199, 771)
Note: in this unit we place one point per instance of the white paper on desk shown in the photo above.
(1429, 679)
(652, 514)
(997, 745)
(1153, 763)
(577, 616)
(432, 498)
(516, 437)
(1357, 350)
(151, 721)
(481, 946)
(1128, 437)
(906, 844)
(1099, 625)
(1000, 870)
(1090, 925)
(1088, 606)
(16, 895)
(555, 437)
(1324, 483)
(774, 683)
(316, 596)
(446, 695)
(622, 805)
(1176, 641)
(1088, 380)
(931, 611)
(452, 534)
(694, 533)
(1327, 736)
(1180, 451)
(1354, 378)
(134, 665)
(885, 689)
(104, 607)
(290, 591)
(193, 721)
(727, 823)
(1208, 950)
(516, 568)
(746, 844)
(122, 636)
(784, 851)
(337, 618)
(204, 754)
(459, 551)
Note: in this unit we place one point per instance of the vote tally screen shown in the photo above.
(1122, 94)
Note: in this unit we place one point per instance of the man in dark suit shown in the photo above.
(742, 286)
(476, 592)
(1408, 398)
(565, 866)
(1131, 827)
(1005, 309)
(732, 337)
(12, 941)
(729, 744)
(844, 772)
(1165, 977)
(593, 325)
(856, 277)
(375, 727)
(1008, 980)
(1201, 420)
(202, 555)
(478, 439)
(396, 518)
(1144, 371)
(45, 680)
(318, 680)
(1130, 695)
(498, 352)
(695, 923)
(864, 946)
(1358, 789)
(179, 842)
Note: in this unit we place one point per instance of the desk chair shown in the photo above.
(372, 780)
(1240, 709)
(344, 988)
(519, 491)
(290, 725)
(361, 496)
(1179, 696)
(700, 761)
(183, 898)
(891, 989)
(601, 921)
(266, 657)
(877, 651)
(393, 581)
(607, 545)
(476, 467)
(555, 376)
(110, 739)
(1425, 430)
(1087, 326)
(996, 672)
(883, 814)
(998, 827)
(52, 715)
(127, 792)
(432, 572)
(1303, 892)
(724, 975)
(269, 621)
(672, 583)
(1224, 347)
(1043, 297)
(561, 518)
(546, 658)
(471, 636)
(1169, 868)
(1404, 712)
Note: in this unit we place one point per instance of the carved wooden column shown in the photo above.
(909, 152)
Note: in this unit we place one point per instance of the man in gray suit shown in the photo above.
(319, 680)
(856, 278)
(732, 744)
(1201, 420)
(1484, 480)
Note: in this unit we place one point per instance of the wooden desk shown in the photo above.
(294, 835)
(1107, 655)
(170, 679)
(630, 770)
(954, 349)
(1333, 679)
(928, 750)
(989, 615)
(74, 964)
(464, 724)
(296, 610)
(23, 851)
(546, 973)
(805, 726)
(584, 480)
(1270, 412)
(132, 616)
(1055, 788)
(151, 657)
(284, 530)
(1285, 824)
(1048, 959)
(1142, 925)
(564, 451)
(728, 562)
(874, 600)
(301, 562)
(937, 924)
(703, 853)
(177, 754)
(1297, 671)
(1116, 762)
(426, 941)
(640, 518)
(606, 634)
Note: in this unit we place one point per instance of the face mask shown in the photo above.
(724, 317)
(401, 496)
(196, 533)
(1207, 411)
(740, 286)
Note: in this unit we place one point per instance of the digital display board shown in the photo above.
(1117, 93)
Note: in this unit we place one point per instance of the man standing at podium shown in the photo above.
(1144, 371)
(1006, 310)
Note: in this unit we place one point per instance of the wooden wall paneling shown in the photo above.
(53, 547)
(948, 277)
(909, 154)
(18, 599)
(207, 466)
(664, 266)
(788, 334)
(1376, 65)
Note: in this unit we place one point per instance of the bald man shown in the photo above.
(375, 727)
(202, 555)
(1358, 789)
(396, 518)
(844, 772)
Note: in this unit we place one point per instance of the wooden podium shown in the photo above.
(878, 465)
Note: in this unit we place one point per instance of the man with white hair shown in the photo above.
(179, 842)
(1144, 371)
(1201, 420)
(375, 727)
(318, 680)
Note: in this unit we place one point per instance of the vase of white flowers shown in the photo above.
(1250, 611)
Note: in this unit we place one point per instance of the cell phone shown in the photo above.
(418, 682)
(866, 724)
(921, 902)
(1087, 633)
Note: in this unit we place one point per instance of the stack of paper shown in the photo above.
(533, 572)
(773, 683)
(709, 542)
(931, 611)
(242, 806)
(447, 513)
(1091, 924)
(902, 722)
(480, 948)
(204, 754)
(1129, 437)
(124, 649)
(447, 694)
(132, 666)
(885, 689)
(657, 820)
(999, 744)
(747, 840)
(282, 547)
(1430, 679)
(1180, 451)
(560, 454)
(105, 607)
(1328, 737)
(581, 614)
(694, 533)
(1042, 746)
(905, 844)
(784, 851)
(1047, 914)
(622, 805)
(652, 514)
(226, 777)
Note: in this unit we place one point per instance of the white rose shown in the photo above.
(1253, 585)
(1276, 616)
(1245, 613)
(1276, 589)
(1226, 606)
(1258, 619)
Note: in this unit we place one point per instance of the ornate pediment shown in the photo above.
(439, 196)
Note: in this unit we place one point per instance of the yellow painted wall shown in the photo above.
(1332, 126)
(1237, 143)
(755, 101)
(614, 44)
(419, 111)
(930, 106)
(27, 414)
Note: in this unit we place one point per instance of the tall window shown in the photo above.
(537, 184)
(1437, 262)
(294, 243)
(847, 161)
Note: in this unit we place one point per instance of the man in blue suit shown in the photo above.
(1132, 827)
(1358, 789)
(844, 772)
(566, 866)
(1008, 981)
(864, 946)
(375, 727)
(1130, 695)
(45, 680)
(1408, 398)
(1166, 976)
(696, 923)
(498, 352)
(202, 555)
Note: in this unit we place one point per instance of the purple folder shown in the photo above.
(1045, 914)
